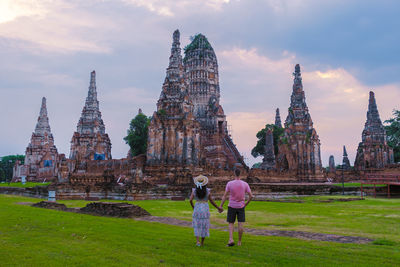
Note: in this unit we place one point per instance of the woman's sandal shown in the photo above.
(230, 244)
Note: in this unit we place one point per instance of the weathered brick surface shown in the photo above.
(299, 148)
(90, 141)
(373, 150)
(41, 156)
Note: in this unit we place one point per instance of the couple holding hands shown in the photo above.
(236, 190)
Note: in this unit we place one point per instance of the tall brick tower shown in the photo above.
(90, 141)
(373, 150)
(202, 79)
(299, 147)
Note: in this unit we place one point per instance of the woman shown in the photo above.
(201, 212)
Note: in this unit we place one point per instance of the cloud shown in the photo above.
(58, 26)
(174, 7)
(12, 9)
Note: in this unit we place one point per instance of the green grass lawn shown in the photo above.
(358, 185)
(33, 236)
(27, 184)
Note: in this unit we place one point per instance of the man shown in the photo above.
(236, 190)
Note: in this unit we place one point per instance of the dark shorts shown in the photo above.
(233, 213)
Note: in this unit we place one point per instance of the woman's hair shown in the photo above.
(201, 192)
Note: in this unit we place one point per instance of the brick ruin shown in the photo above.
(373, 151)
(174, 133)
(299, 147)
(202, 81)
(269, 162)
(41, 156)
(299, 155)
(345, 162)
(173, 147)
(90, 141)
(332, 166)
(188, 136)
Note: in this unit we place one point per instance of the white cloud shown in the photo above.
(174, 7)
(12, 9)
(55, 25)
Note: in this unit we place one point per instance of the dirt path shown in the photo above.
(264, 232)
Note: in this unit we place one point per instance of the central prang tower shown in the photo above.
(202, 81)
(174, 137)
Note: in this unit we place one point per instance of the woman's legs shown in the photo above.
(197, 240)
(202, 240)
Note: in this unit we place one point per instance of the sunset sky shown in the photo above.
(345, 49)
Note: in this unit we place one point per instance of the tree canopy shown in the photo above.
(393, 134)
(6, 166)
(137, 134)
(259, 150)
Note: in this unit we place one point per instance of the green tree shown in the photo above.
(393, 134)
(137, 134)
(258, 150)
(6, 165)
(2, 174)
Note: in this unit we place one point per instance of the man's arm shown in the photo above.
(223, 199)
(250, 197)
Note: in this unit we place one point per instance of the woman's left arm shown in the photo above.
(191, 200)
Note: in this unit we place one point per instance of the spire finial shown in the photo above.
(92, 93)
(373, 113)
(297, 77)
(43, 108)
(176, 36)
(175, 68)
(176, 43)
(93, 79)
(345, 161)
(278, 121)
(42, 124)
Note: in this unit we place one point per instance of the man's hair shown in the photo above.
(237, 172)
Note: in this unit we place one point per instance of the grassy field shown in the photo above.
(33, 236)
(358, 185)
(27, 184)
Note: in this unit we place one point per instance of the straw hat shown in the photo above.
(200, 180)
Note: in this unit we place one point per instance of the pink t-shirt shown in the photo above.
(237, 190)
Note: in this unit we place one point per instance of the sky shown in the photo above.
(345, 48)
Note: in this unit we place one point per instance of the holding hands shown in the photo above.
(220, 209)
